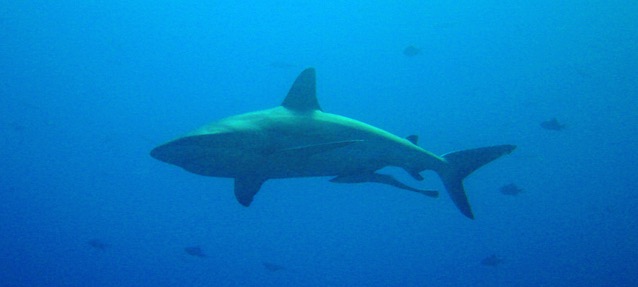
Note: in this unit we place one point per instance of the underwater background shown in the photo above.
(88, 88)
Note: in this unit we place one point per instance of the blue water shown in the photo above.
(88, 88)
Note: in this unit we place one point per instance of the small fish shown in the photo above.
(195, 251)
(97, 244)
(553, 125)
(491, 261)
(273, 267)
(511, 189)
(411, 51)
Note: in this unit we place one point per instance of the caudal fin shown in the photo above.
(460, 164)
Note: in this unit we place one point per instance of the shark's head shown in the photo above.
(188, 153)
(214, 153)
(224, 148)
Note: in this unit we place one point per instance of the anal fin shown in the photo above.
(415, 174)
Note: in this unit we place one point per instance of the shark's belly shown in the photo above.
(354, 158)
(289, 152)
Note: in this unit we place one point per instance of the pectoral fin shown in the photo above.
(380, 178)
(246, 188)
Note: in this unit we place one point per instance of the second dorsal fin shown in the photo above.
(302, 96)
(413, 139)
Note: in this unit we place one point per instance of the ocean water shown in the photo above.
(88, 88)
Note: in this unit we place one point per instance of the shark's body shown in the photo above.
(298, 139)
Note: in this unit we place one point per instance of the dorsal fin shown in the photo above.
(302, 96)
(413, 139)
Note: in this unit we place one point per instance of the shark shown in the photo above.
(298, 139)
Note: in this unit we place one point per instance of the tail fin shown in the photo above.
(460, 164)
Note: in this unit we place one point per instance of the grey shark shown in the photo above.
(299, 139)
